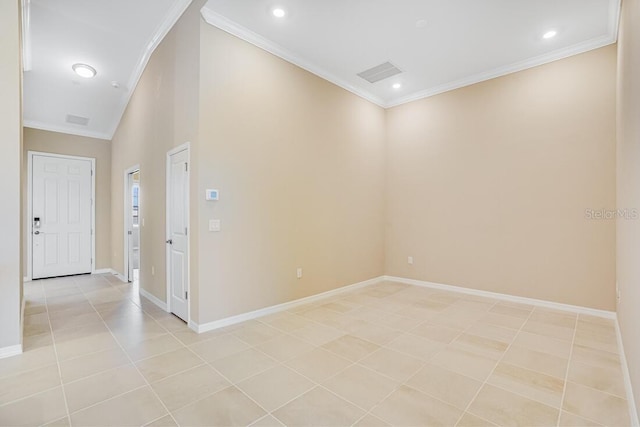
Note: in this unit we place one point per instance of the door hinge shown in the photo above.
(185, 231)
(186, 167)
(186, 295)
(91, 172)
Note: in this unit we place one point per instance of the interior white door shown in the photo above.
(61, 224)
(177, 219)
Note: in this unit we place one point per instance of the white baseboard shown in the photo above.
(506, 297)
(102, 271)
(631, 402)
(153, 299)
(12, 350)
(25, 279)
(210, 326)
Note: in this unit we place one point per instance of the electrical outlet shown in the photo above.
(153, 270)
(617, 293)
(410, 260)
(299, 273)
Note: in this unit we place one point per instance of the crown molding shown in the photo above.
(508, 69)
(247, 35)
(162, 30)
(66, 129)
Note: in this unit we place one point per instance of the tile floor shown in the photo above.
(389, 354)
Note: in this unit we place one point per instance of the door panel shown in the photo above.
(178, 188)
(61, 200)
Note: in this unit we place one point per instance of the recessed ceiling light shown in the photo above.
(396, 86)
(421, 23)
(549, 34)
(84, 70)
(279, 12)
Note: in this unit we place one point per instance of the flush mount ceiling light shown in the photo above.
(84, 70)
(279, 12)
(549, 34)
(396, 86)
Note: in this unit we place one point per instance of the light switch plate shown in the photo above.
(214, 225)
(212, 194)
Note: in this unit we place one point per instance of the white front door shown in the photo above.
(177, 220)
(61, 208)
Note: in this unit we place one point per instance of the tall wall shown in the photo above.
(628, 236)
(73, 145)
(488, 185)
(299, 163)
(10, 164)
(162, 114)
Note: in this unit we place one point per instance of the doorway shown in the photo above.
(178, 231)
(60, 215)
(132, 224)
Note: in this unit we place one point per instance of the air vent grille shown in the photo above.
(77, 120)
(380, 72)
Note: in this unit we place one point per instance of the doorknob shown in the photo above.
(36, 232)
(170, 242)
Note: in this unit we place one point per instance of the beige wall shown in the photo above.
(487, 185)
(162, 114)
(299, 163)
(10, 162)
(73, 145)
(628, 241)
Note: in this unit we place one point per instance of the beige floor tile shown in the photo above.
(536, 361)
(531, 384)
(609, 380)
(465, 362)
(81, 346)
(27, 383)
(568, 419)
(409, 407)
(450, 387)
(341, 306)
(254, 333)
(548, 330)
(166, 421)
(437, 333)
(318, 364)
(284, 347)
(588, 338)
(350, 347)
(415, 346)
(554, 317)
(376, 334)
(399, 323)
(189, 337)
(32, 358)
(288, 322)
(371, 421)
(83, 366)
(459, 319)
(318, 407)
(395, 365)
(186, 387)
(520, 312)
(219, 347)
(604, 327)
(553, 346)
(135, 408)
(481, 345)
(228, 407)
(497, 333)
(62, 422)
(592, 404)
(361, 386)
(91, 390)
(153, 347)
(273, 388)
(243, 365)
(73, 321)
(595, 357)
(317, 334)
(504, 408)
(267, 421)
(470, 420)
(506, 321)
(159, 367)
(36, 410)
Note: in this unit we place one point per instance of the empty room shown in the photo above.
(320, 213)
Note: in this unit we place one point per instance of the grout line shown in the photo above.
(566, 374)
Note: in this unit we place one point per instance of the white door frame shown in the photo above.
(127, 203)
(185, 146)
(29, 219)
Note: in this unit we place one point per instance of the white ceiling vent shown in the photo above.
(380, 72)
(77, 120)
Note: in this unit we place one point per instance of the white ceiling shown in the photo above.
(115, 37)
(463, 41)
